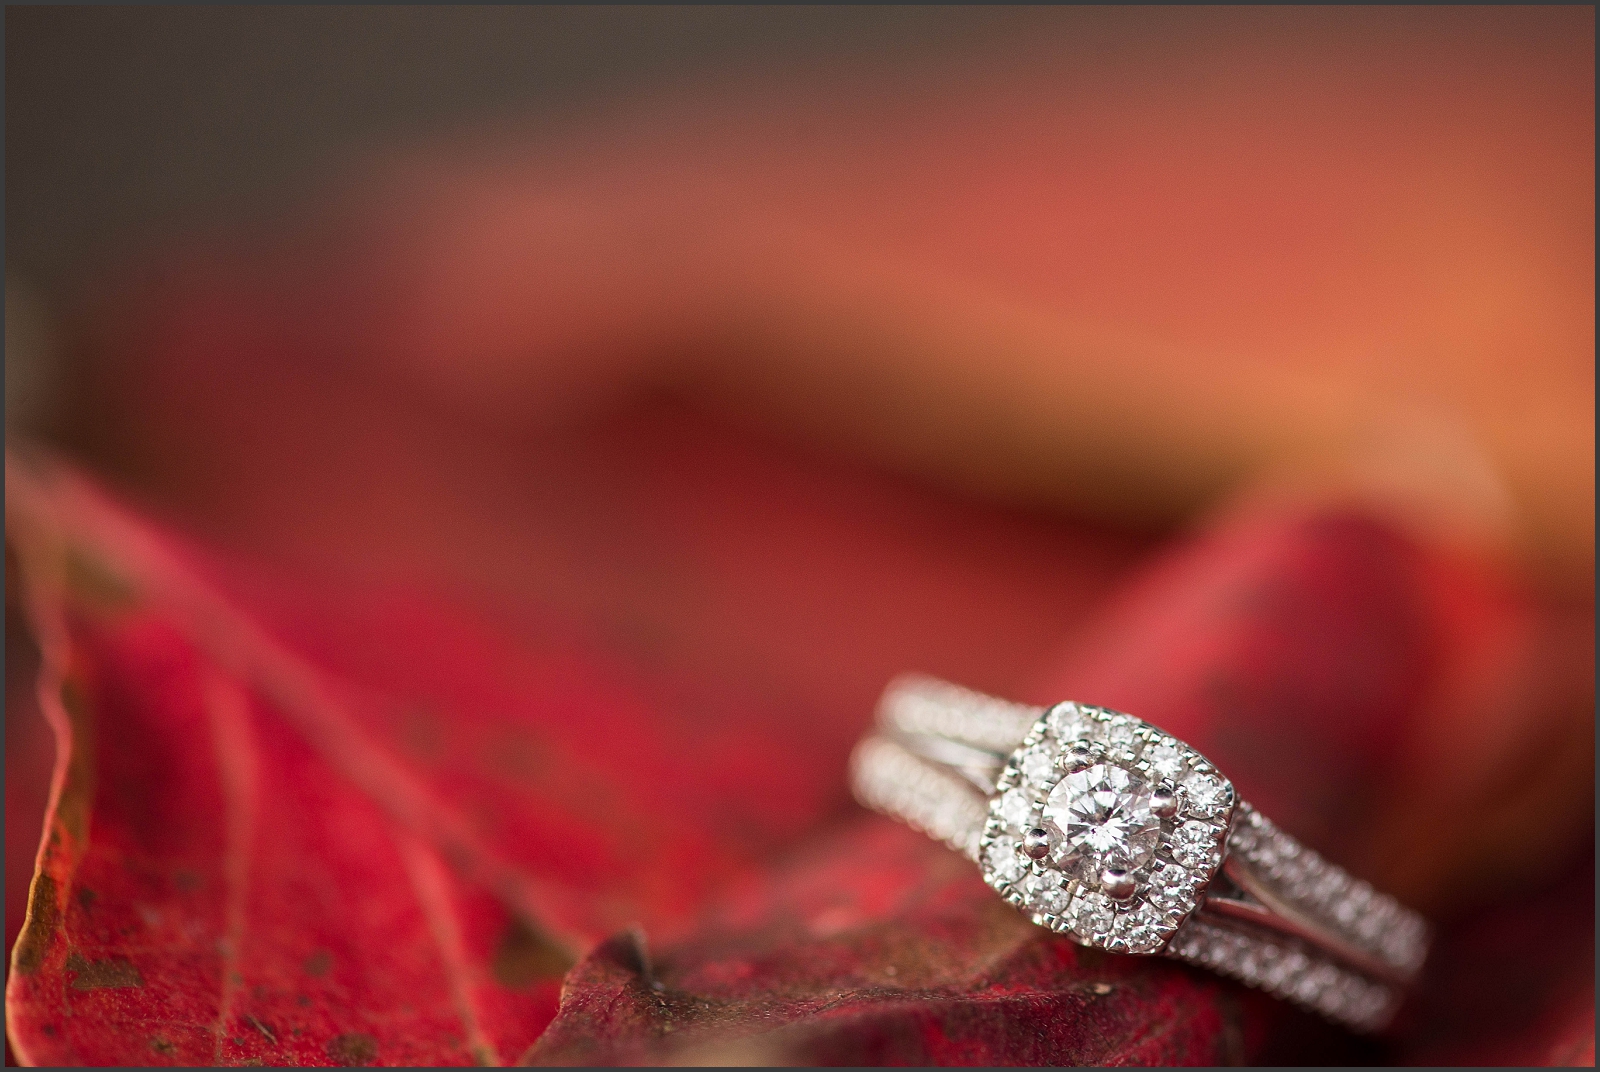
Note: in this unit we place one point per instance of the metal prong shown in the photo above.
(1117, 883)
(1164, 800)
(1036, 843)
(1080, 755)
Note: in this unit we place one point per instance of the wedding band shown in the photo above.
(1122, 837)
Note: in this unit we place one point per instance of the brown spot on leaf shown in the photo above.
(44, 919)
(318, 964)
(524, 957)
(162, 1046)
(95, 583)
(110, 973)
(86, 898)
(352, 1049)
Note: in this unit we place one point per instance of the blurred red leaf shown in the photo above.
(1513, 983)
(460, 787)
(379, 830)
(1298, 651)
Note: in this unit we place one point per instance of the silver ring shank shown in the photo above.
(1278, 916)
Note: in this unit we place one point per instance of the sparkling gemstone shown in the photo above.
(1319, 978)
(1329, 886)
(1038, 764)
(1016, 808)
(1370, 926)
(1290, 872)
(1081, 728)
(1193, 843)
(1275, 968)
(1044, 891)
(1171, 875)
(1170, 888)
(1003, 859)
(1120, 733)
(1104, 817)
(1138, 928)
(1063, 721)
(1166, 760)
(1092, 915)
(1205, 794)
(1169, 897)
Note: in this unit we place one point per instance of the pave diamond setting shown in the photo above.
(1111, 832)
(1096, 807)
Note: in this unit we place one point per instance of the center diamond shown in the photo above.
(1104, 818)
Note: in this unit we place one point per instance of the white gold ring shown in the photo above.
(1118, 835)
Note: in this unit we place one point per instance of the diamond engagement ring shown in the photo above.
(1122, 837)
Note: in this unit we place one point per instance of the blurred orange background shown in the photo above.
(1115, 261)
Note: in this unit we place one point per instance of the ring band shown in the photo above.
(1112, 832)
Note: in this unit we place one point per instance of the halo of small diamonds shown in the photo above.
(1089, 777)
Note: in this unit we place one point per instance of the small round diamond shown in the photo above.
(1082, 728)
(1139, 929)
(1120, 733)
(1171, 876)
(1166, 760)
(1063, 721)
(1038, 765)
(1003, 860)
(1169, 888)
(1168, 897)
(1371, 926)
(1044, 892)
(1330, 887)
(1092, 915)
(1016, 808)
(1206, 795)
(1193, 844)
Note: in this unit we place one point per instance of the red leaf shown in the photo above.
(435, 815)
(239, 897)
(881, 947)
(878, 947)
(431, 814)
